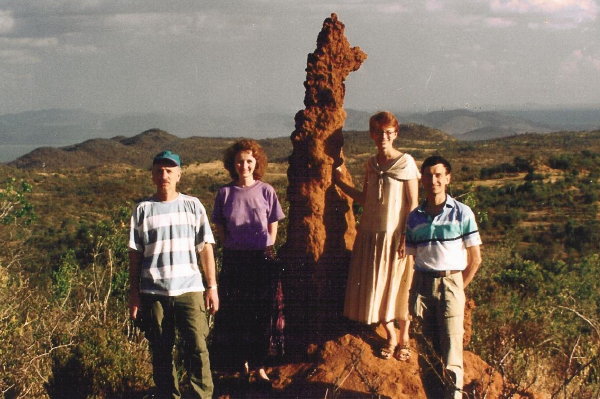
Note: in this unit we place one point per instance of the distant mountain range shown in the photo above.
(138, 150)
(470, 125)
(58, 127)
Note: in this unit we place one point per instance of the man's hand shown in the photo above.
(207, 259)
(211, 300)
(134, 304)
(135, 266)
(473, 262)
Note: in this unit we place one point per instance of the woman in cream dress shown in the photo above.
(380, 272)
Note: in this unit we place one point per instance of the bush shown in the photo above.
(537, 324)
(521, 276)
(519, 165)
(14, 204)
(62, 278)
(103, 363)
(69, 336)
(562, 162)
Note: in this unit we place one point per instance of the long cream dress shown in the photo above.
(378, 281)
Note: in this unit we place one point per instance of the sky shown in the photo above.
(225, 56)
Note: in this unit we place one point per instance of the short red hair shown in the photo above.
(382, 119)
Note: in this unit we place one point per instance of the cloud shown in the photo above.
(391, 8)
(206, 26)
(558, 14)
(28, 42)
(17, 56)
(434, 5)
(452, 18)
(497, 22)
(24, 50)
(53, 17)
(534, 14)
(7, 22)
(30, 50)
(79, 7)
(70, 49)
(155, 23)
(579, 62)
(545, 6)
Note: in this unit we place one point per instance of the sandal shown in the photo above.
(386, 352)
(402, 353)
(261, 375)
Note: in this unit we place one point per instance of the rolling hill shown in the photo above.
(469, 125)
(58, 127)
(139, 149)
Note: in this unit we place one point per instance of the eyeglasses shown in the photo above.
(388, 133)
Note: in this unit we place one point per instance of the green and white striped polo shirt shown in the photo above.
(440, 243)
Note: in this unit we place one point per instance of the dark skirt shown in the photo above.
(249, 324)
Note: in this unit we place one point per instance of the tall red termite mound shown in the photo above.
(321, 223)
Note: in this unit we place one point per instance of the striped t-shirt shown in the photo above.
(168, 234)
(440, 243)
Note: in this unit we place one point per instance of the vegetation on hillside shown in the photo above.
(63, 265)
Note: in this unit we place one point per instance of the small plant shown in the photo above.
(103, 363)
(14, 204)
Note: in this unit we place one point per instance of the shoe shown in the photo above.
(386, 352)
(261, 374)
(245, 373)
(402, 353)
(262, 379)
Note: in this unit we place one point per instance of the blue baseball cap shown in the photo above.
(167, 156)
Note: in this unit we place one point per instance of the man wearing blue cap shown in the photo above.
(169, 231)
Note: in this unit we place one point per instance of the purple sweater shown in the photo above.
(245, 213)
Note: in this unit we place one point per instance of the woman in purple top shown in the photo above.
(246, 214)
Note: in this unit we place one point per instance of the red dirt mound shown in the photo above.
(348, 367)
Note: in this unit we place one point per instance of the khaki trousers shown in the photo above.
(438, 304)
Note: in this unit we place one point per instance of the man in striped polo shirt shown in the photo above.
(169, 231)
(442, 235)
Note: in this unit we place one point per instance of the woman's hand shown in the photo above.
(402, 247)
(270, 253)
(337, 174)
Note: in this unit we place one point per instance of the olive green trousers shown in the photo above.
(186, 313)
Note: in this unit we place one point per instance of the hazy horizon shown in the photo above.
(21, 133)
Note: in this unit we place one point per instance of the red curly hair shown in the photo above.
(245, 145)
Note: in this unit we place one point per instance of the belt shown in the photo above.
(437, 274)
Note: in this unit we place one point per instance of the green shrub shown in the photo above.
(562, 162)
(62, 277)
(538, 324)
(14, 203)
(103, 364)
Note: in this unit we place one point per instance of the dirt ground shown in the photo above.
(348, 367)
